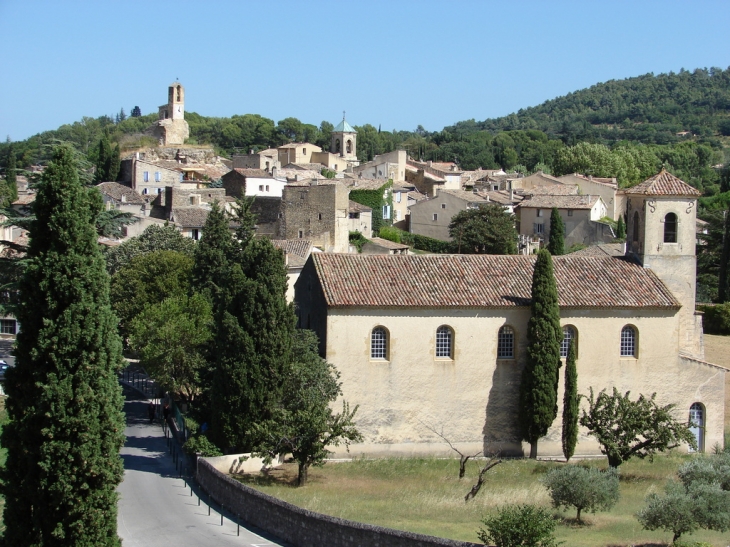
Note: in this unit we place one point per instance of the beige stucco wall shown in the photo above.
(445, 206)
(474, 397)
(614, 204)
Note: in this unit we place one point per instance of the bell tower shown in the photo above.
(344, 142)
(661, 224)
(176, 101)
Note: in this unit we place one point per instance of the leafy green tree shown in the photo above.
(148, 279)
(154, 238)
(585, 488)
(556, 242)
(571, 400)
(110, 222)
(171, 337)
(626, 428)
(487, 229)
(64, 402)
(519, 526)
(303, 423)
(539, 386)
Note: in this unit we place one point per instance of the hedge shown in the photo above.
(716, 319)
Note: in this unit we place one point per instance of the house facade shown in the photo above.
(432, 217)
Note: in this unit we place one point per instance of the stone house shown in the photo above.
(440, 340)
(296, 252)
(189, 220)
(121, 197)
(580, 214)
(604, 187)
(429, 179)
(151, 177)
(297, 152)
(535, 181)
(360, 219)
(252, 182)
(391, 165)
(266, 160)
(431, 217)
(380, 246)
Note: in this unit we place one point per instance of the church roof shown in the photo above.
(344, 127)
(664, 184)
(483, 281)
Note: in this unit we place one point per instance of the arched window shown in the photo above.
(629, 342)
(636, 227)
(337, 146)
(697, 425)
(178, 93)
(506, 343)
(569, 333)
(445, 342)
(349, 146)
(379, 343)
(670, 228)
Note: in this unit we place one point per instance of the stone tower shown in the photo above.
(661, 224)
(344, 142)
(171, 127)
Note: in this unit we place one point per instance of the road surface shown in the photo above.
(156, 509)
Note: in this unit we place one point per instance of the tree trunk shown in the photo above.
(578, 517)
(302, 477)
(533, 450)
(676, 536)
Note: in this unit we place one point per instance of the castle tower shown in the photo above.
(344, 142)
(171, 127)
(660, 233)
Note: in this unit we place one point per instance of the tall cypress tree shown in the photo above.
(723, 292)
(621, 228)
(212, 254)
(64, 403)
(539, 386)
(101, 174)
(556, 243)
(570, 404)
(11, 181)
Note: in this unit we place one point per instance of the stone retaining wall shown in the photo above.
(300, 527)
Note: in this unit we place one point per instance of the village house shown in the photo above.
(252, 182)
(604, 187)
(431, 217)
(426, 342)
(360, 219)
(380, 246)
(429, 179)
(296, 252)
(266, 160)
(391, 165)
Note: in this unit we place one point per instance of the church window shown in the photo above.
(444, 342)
(379, 343)
(349, 146)
(506, 343)
(697, 425)
(178, 94)
(569, 333)
(636, 227)
(670, 228)
(301, 234)
(628, 342)
(319, 216)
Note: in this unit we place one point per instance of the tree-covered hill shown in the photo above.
(648, 109)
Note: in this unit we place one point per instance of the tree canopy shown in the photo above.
(487, 229)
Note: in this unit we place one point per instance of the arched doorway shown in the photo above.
(697, 425)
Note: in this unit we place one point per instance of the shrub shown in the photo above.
(582, 487)
(358, 240)
(201, 445)
(716, 319)
(519, 526)
(390, 233)
(424, 243)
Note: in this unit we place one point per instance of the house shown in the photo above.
(391, 165)
(534, 181)
(580, 214)
(121, 197)
(426, 342)
(431, 217)
(604, 187)
(360, 218)
(296, 253)
(189, 220)
(380, 246)
(297, 152)
(266, 160)
(429, 179)
(252, 182)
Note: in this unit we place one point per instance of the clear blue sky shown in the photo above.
(393, 63)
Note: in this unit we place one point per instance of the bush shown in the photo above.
(423, 243)
(716, 319)
(358, 240)
(390, 233)
(519, 526)
(201, 445)
(582, 487)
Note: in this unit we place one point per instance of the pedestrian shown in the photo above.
(151, 411)
(166, 411)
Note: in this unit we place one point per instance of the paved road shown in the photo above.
(156, 509)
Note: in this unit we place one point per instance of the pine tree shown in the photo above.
(621, 228)
(723, 292)
(570, 404)
(11, 181)
(64, 402)
(539, 386)
(556, 244)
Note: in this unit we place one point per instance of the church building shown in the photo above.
(438, 342)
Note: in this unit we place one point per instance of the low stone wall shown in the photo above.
(300, 527)
(237, 463)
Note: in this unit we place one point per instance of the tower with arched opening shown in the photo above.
(344, 142)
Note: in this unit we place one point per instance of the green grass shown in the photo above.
(425, 496)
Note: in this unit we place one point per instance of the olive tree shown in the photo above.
(585, 488)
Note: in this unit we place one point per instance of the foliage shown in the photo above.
(170, 337)
(63, 398)
(425, 243)
(626, 428)
(539, 385)
(575, 247)
(154, 238)
(390, 233)
(701, 498)
(110, 223)
(148, 279)
(571, 400)
(107, 161)
(723, 277)
(585, 488)
(487, 229)
(200, 444)
(358, 240)
(376, 199)
(328, 173)
(716, 319)
(303, 423)
(519, 526)
(9, 185)
(621, 228)
(212, 254)
(556, 242)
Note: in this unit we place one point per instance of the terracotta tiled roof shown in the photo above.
(297, 250)
(502, 197)
(483, 281)
(465, 195)
(116, 191)
(561, 202)
(601, 250)
(255, 173)
(553, 190)
(365, 184)
(189, 217)
(24, 199)
(664, 184)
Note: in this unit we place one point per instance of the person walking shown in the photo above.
(151, 411)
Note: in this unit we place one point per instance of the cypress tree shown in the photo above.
(101, 174)
(570, 404)
(621, 228)
(723, 291)
(64, 403)
(556, 243)
(11, 181)
(539, 386)
(212, 254)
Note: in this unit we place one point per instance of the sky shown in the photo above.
(396, 64)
